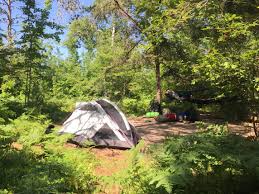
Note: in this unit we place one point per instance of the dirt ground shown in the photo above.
(154, 132)
(114, 160)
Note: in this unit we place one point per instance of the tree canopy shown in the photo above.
(130, 51)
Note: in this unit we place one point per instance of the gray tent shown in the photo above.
(101, 122)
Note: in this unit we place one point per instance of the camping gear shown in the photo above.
(102, 123)
(166, 117)
(190, 115)
(155, 106)
(49, 130)
(161, 119)
(183, 116)
(151, 114)
(171, 116)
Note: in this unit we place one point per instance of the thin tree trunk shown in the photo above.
(158, 85)
(30, 86)
(26, 89)
(255, 113)
(113, 34)
(28, 79)
(9, 22)
(254, 125)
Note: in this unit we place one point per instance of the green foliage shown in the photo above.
(234, 111)
(139, 174)
(212, 160)
(7, 136)
(5, 191)
(229, 41)
(42, 164)
(30, 129)
(34, 32)
(10, 106)
(210, 47)
(135, 106)
(216, 130)
(63, 172)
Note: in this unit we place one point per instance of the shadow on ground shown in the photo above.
(154, 132)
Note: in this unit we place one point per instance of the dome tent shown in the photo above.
(101, 122)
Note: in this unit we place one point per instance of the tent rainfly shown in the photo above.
(101, 122)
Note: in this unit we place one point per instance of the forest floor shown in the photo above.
(152, 132)
(114, 161)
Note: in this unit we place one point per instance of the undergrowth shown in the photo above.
(136, 177)
(210, 161)
(42, 164)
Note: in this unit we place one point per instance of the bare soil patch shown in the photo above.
(111, 160)
(154, 132)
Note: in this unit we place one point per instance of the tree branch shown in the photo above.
(127, 15)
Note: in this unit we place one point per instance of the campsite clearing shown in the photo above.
(151, 132)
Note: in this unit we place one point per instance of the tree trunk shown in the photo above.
(9, 22)
(6, 9)
(254, 101)
(113, 30)
(113, 34)
(26, 89)
(254, 125)
(158, 85)
(28, 78)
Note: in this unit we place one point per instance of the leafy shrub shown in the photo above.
(6, 137)
(10, 106)
(61, 172)
(58, 108)
(5, 191)
(213, 129)
(135, 106)
(211, 161)
(43, 165)
(5, 113)
(29, 129)
(139, 174)
(234, 111)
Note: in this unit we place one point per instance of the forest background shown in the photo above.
(56, 53)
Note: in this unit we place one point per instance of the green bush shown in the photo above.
(7, 136)
(210, 161)
(234, 111)
(22, 172)
(6, 112)
(10, 106)
(135, 106)
(139, 174)
(43, 164)
(29, 129)
(5, 191)
(58, 108)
